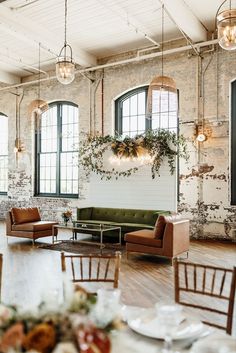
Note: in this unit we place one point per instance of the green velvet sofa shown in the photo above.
(128, 219)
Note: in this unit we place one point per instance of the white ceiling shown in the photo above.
(96, 29)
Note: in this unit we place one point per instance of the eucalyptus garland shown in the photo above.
(159, 144)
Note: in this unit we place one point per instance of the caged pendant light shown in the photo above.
(159, 84)
(65, 66)
(226, 27)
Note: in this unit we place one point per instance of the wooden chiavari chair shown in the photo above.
(1, 261)
(201, 281)
(93, 268)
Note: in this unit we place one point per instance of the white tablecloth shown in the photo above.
(128, 341)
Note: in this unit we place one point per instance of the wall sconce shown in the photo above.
(201, 136)
(19, 147)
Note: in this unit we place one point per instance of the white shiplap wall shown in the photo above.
(137, 191)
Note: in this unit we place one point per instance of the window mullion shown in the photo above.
(59, 148)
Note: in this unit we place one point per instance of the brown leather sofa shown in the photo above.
(26, 223)
(169, 238)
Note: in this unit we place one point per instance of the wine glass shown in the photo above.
(169, 318)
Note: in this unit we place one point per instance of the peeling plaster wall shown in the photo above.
(204, 180)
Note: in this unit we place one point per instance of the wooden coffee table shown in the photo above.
(86, 228)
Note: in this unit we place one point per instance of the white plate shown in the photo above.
(147, 324)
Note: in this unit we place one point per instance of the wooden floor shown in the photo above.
(30, 273)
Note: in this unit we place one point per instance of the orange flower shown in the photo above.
(12, 338)
(41, 338)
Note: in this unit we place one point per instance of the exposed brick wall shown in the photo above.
(204, 180)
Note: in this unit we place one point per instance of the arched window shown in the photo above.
(131, 119)
(233, 143)
(57, 151)
(3, 153)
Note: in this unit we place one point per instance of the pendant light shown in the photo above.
(226, 27)
(159, 84)
(65, 66)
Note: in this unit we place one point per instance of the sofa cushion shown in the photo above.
(159, 227)
(120, 215)
(125, 227)
(144, 237)
(25, 215)
(129, 227)
(84, 213)
(33, 226)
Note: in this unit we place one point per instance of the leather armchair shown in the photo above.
(27, 223)
(171, 242)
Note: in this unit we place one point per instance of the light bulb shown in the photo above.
(201, 137)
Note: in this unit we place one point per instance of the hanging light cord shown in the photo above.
(162, 44)
(65, 22)
(39, 85)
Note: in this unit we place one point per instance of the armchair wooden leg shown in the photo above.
(33, 241)
(127, 255)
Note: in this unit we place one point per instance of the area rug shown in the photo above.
(84, 248)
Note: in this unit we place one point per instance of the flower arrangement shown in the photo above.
(159, 145)
(67, 330)
(66, 216)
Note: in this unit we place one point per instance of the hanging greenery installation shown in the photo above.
(158, 145)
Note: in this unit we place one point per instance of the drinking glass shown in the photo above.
(169, 318)
(107, 306)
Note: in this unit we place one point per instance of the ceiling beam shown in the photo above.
(185, 19)
(33, 34)
(10, 79)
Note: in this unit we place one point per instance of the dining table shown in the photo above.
(129, 341)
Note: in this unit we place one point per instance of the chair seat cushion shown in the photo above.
(34, 226)
(143, 237)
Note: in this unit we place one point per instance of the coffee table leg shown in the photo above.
(101, 238)
(53, 233)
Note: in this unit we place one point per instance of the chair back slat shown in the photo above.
(98, 268)
(222, 283)
(94, 268)
(214, 280)
(72, 268)
(107, 268)
(81, 268)
(186, 276)
(204, 280)
(195, 277)
(90, 267)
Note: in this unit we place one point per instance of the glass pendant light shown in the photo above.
(226, 27)
(65, 66)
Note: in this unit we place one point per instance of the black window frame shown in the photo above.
(58, 194)
(5, 192)
(118, 108)
(148, 122)
(233, 144)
